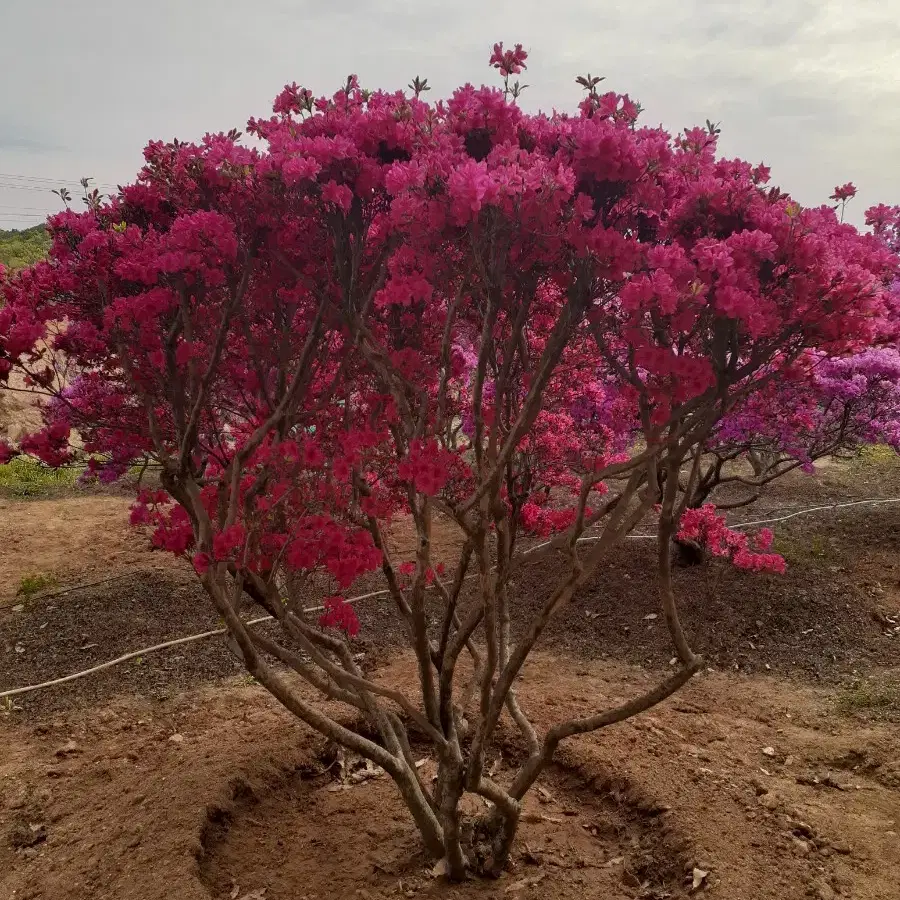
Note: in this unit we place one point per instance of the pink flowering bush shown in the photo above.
(827, 407)
(525, 324)
(818, 405)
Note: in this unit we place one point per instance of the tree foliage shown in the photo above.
(19, 249)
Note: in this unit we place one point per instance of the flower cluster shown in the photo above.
(509, 62)
(339, 614)
(707, 527)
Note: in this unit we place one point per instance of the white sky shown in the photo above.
(810, 87)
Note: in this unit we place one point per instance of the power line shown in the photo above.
(41, 178)
(48, 190)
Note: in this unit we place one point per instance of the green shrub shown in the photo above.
(24, 477)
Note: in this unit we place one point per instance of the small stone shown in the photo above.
(801, 846)
(177, 738)
(768, 751)
(68, 749)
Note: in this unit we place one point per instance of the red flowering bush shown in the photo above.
(524, 324)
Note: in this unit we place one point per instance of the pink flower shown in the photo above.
(509, 62)
(470, 186)
(299, 168)
(844, 192)
(338, 194)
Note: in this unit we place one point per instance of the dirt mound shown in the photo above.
(574, 841)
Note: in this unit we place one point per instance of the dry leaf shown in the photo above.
(613, 862)
(258, 894)
(235, 891)
(440, 869)
(544, 795)
(523, 883)
(698, 877)
(553, 819)
(650, 617)
(370, 770)
(421, 762)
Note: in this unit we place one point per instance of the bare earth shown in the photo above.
(776, 772)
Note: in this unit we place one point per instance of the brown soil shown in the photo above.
(217, 791)
(776, 771)
(70, 539)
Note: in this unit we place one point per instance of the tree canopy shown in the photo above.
(21, 248)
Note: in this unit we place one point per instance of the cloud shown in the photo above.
(810, 86)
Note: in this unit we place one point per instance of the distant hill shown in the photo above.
(22, 248)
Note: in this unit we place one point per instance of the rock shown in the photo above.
(801, 846)
(768, 751)
(759, 787)
(22, 836)
(19, 799)
(177, 738)
(67, 749)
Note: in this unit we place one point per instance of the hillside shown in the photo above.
(21, 248)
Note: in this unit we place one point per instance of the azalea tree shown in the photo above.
(826, 407)
(820, 406)
(524, 325)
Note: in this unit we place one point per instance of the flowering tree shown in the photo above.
(885, 223)
(821, 406)
(826, 407)
(523, 324)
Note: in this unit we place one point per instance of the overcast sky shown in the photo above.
(810, 87)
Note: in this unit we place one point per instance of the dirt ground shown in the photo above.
(776, 771)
